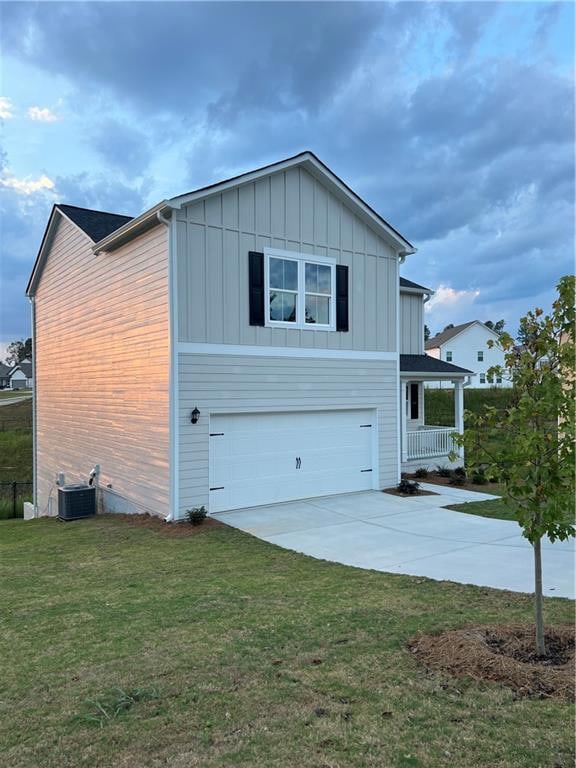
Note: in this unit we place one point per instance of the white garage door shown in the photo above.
(270, 457)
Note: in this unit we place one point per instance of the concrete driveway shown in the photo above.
(414, 536)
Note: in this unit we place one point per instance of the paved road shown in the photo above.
(414, 536)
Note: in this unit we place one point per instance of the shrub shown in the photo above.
(408, 486)
(457, 479)
(197, 515)
(421, 472)
(478, 477)
(460, 472)
(443, 471)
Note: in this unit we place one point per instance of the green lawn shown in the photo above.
(243, 655)
(7, 394)
(439, 403)
(16, 442)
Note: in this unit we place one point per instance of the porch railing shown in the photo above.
(430, 441)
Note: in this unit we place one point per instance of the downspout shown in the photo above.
(34, 390)
(172, 405)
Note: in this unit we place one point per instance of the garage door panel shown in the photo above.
(267, 458)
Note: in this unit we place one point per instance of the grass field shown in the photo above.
(8, 394)
(16, 442)
(439, 403)
(231, 652)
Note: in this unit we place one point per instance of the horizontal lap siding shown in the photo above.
(292, 211)
(235, 384)
(102, 368)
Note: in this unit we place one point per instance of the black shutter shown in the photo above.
(342, 300)
(256, 287)
(413, 401)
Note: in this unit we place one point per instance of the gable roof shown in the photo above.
(427, 364)
(307, 160)
(408, 284)
(450, 333)
(5, 369)
(96, 224)
(26, 368)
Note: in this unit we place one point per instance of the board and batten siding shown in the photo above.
(411, 324)
(244, 384)
(292, 211)
(102, 368)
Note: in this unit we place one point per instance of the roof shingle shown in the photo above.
(427, 364)
(96, 224)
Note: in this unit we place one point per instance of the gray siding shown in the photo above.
(102, 365)
(233, 384)
(289, 210)
(411, 324)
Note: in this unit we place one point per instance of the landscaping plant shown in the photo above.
(197, 515)
(408, 486)
(530, 444)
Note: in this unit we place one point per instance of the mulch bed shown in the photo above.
(438, 480)
(504, 654)
(157, 524)
(396, 492)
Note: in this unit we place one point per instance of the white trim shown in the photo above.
(174, 395)
(199, 348)
(301, 260)
(398, 386)
(431, 375)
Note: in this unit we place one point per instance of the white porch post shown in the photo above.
(404, 419)
(459, 412)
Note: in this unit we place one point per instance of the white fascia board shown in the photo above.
(323, 174)
(431, 376)
(417, 292)
(131, 228)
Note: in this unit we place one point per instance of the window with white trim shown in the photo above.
(482, 378)
(300, 290)
(448, 357)
(480, 357)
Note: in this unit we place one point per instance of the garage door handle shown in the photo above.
(298, 462)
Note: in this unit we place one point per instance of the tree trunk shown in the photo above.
(538, 599)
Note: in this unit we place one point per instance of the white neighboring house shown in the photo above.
(21, 376)
(269, 349)
(466, 345)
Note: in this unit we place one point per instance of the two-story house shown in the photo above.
(466, 345)
(246, 343)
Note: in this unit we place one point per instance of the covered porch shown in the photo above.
(423, 444)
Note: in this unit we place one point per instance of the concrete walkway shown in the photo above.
(414, 536)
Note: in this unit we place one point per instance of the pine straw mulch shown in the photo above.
(504, 654)
(158, 525)
(396, 492)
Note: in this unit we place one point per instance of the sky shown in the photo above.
(454, 120)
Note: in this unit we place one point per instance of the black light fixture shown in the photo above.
(194, 416)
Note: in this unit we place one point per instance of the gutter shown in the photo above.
(32, 301)
(141, 223)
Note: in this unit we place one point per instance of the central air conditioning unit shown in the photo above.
(76, 502)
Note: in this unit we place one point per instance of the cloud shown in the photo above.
(122, 147)
(27, 186)
(6, 108)
(42, 115)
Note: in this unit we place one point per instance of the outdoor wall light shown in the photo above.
(194, 416)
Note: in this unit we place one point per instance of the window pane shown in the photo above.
(318, 310)
(283, 306)
(318, 278)
(284, 274)
(324, 281)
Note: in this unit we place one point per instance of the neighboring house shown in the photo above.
(246, 343)
(5, 375)
(20, 376)
(466, 345)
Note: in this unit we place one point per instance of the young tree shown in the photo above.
(530, 446)
(426, 333)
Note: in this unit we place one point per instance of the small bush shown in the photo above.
(408, 486)
(443, 471)
(197, 515)
(478, 477)
(421, 472)
(460, 472)
(457, 479)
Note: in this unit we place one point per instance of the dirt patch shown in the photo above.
(157, 524)
(504, 654)
(396, 492)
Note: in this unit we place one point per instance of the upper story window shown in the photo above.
(448, 357)
(480, 357)
(300, 290)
